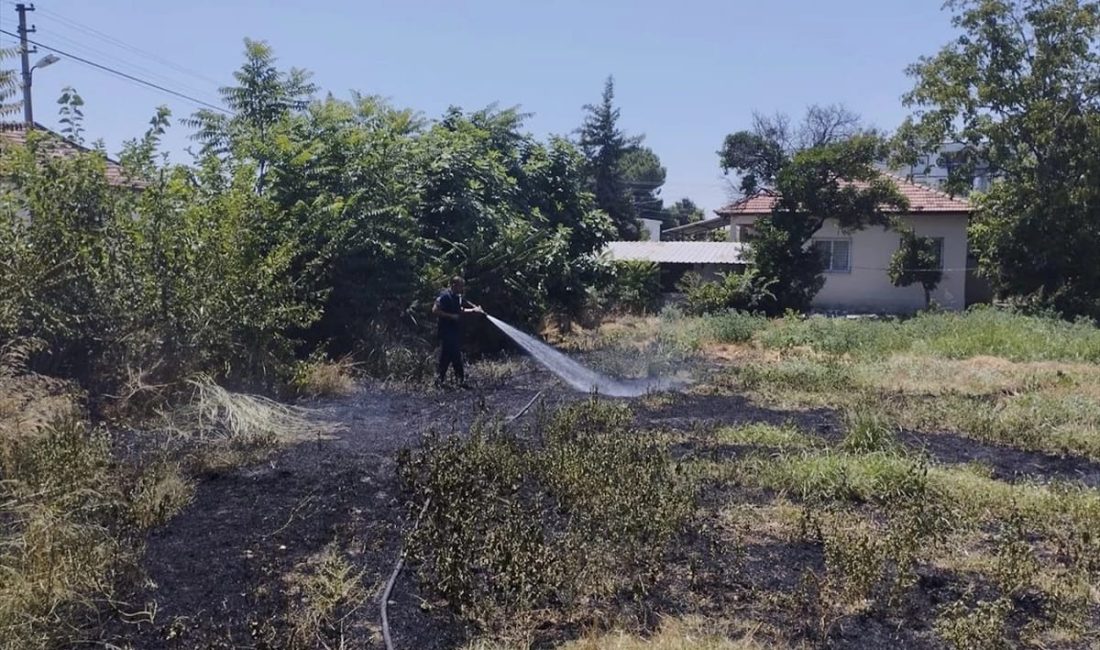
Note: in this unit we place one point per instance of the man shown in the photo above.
(449, 307)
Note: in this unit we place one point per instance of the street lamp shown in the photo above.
(45, 61)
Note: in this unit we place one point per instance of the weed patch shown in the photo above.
(574, 519)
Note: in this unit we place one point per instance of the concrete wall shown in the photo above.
(867, 288)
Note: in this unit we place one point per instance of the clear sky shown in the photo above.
(687, 72)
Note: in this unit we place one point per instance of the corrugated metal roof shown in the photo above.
(677, 252)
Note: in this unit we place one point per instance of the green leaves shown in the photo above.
(1020, 88)
(916, 262)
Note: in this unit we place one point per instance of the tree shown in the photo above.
(643, 176)
(916, 262)
(9, 86)
(684, 212)
(759, 154)
(605, 146)
(262, 101)
(1020, 88)
(835, 181)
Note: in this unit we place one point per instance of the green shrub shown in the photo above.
(743, 291)
(635, 287)
(517, 528)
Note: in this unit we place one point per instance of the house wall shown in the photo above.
(867, 288)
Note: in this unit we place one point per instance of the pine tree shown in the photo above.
(604, 145)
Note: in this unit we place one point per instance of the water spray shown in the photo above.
(579, 377)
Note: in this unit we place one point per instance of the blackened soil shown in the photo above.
(216, 576)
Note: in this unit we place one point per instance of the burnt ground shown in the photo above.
(215, 575)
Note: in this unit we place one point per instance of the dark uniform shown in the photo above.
(450, 335)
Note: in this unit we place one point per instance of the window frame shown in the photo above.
(940, 242)
(831, 241)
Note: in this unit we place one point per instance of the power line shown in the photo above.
(95, 33)
(125, 75)
(126, 65)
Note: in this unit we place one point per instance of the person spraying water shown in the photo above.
(449, 308)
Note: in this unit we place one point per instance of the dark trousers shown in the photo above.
(451, 355)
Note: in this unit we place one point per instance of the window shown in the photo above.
(745, 232)
(937, 243)
(835, 253)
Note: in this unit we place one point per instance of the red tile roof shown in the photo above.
(922, 199)
(16, 134)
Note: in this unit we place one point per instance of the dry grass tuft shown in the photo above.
(325, 378)
(215, 413)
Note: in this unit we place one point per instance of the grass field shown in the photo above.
(929, 482)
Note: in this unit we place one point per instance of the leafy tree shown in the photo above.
(1020, 88)
(758, 155)
(684, 212)
(644, 176)
(915, 262)
(9, 85)
(835, 181)
(259, 105)
(605, 145)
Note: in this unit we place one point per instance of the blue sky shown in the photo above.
(687, 73)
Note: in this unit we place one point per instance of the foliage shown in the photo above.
(684, 212)
(635, 286)
(644, 176)
(1018, 89)
(744, 291)
(823, 171)
(915, 262)
(977, 332)
(70, 115)
(836, 182)
(578, 517)
(758, 155)
(605, 146)
(9, 85)
(300, 225)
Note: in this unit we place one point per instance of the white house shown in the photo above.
(855, 277)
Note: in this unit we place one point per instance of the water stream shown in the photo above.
(579, 377)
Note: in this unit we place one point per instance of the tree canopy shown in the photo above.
(1020, 88)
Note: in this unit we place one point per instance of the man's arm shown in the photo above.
(438, 311)
(470, 308)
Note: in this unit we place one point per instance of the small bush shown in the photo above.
(635, 287)
(868, 431)
(517, 529)
(319, 377)
(980, 626)
(743, 291)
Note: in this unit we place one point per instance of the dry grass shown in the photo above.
(688, 633)
(680, 634)
(325, 378)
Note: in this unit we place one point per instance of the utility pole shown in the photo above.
(25, 56)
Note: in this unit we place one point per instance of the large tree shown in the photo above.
(644, 175)
(605, 145)
(1020, 87)
(258, 106)
(758, 154)
(825, 168)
